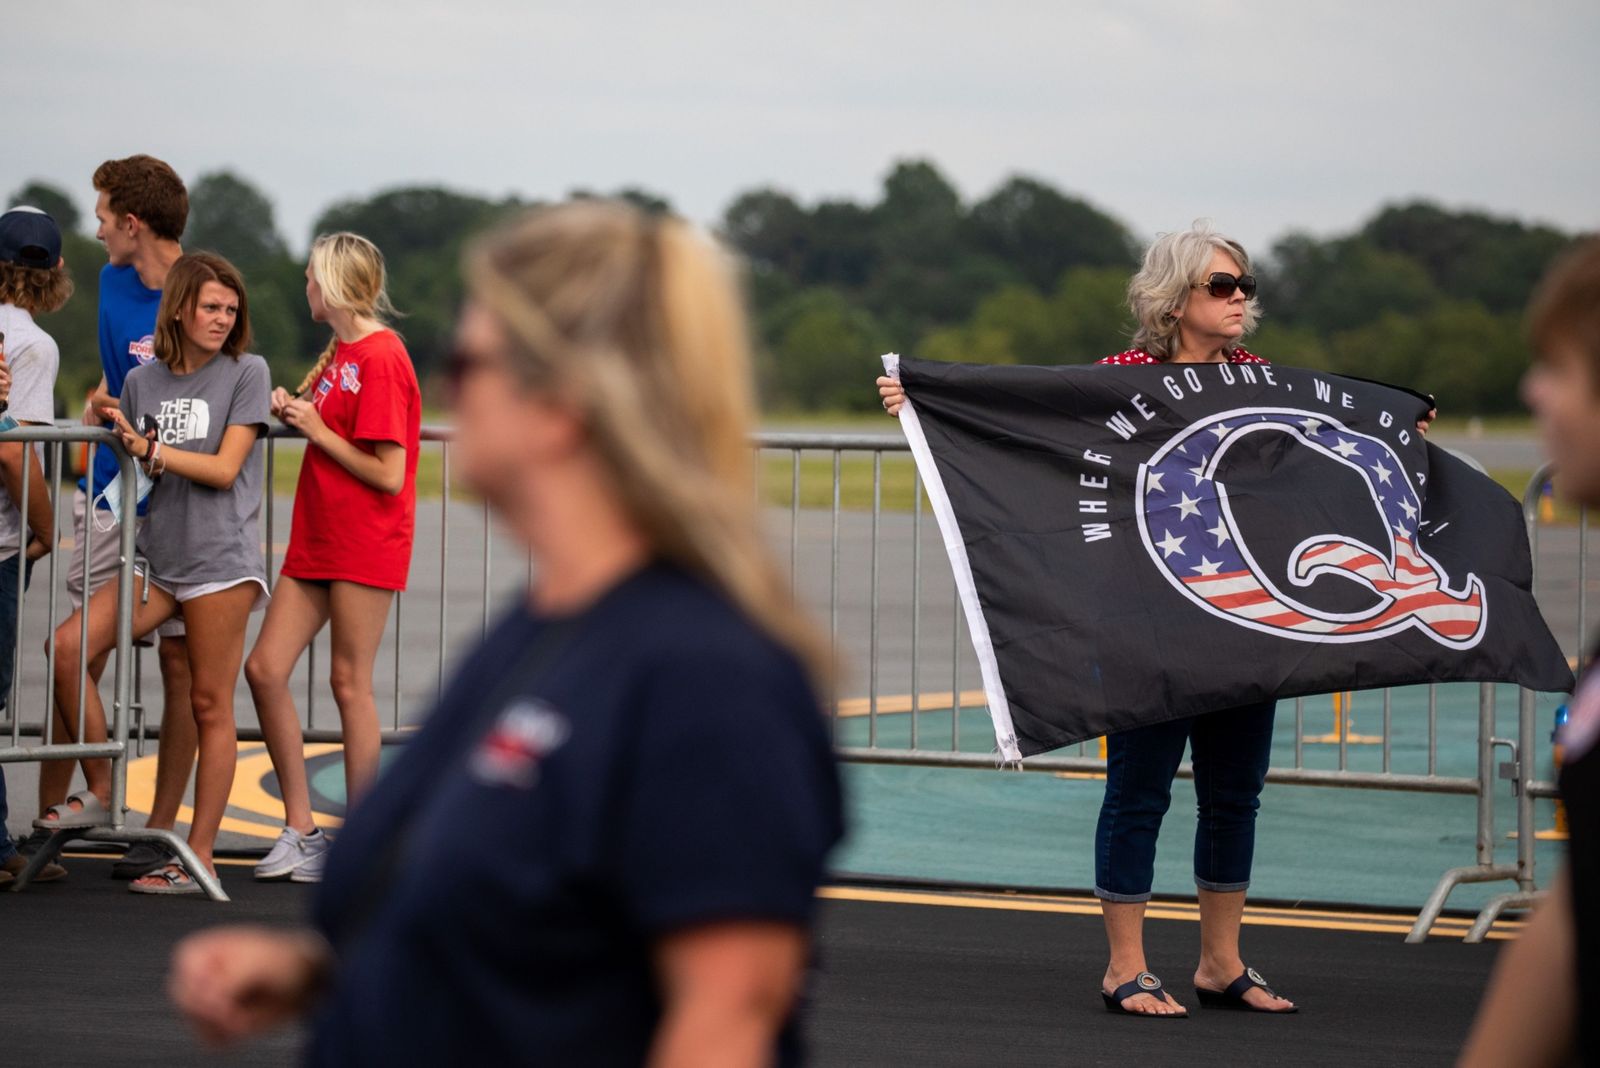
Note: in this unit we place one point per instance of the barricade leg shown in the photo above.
(1527, 894)
(1485, 871)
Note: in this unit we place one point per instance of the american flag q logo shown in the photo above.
(1189, 529)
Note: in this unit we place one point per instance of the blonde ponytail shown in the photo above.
(640, 321)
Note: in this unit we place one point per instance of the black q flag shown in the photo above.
(1138, 544)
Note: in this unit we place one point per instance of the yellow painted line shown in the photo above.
(238, 862)
(1324, 921)
(934, 701)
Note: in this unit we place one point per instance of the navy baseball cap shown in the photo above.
(29, 238)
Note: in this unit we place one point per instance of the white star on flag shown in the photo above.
(1152, 481)
(1206, 567)
(1411, 513)
(1221, 430)
(1312, 426)
(1221, 531)
(1400, 529)
(1199, 472)
(1346, 449)
(1382, 472)
(1170, 545)
(1188, 506)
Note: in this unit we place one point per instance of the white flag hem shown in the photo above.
(956, 548)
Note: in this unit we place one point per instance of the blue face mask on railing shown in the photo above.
(111, 498)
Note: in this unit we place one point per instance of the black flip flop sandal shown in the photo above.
(1233, 996)
(1143, 983)
(142, 858)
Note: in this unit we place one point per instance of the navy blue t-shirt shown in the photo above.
(585, 787)
(127, 340)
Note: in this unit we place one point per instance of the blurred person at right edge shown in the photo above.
(350, 539)
(1530, 1014)
(603, 846)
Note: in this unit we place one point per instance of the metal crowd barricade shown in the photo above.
(884, 640)
(896, 629)
(115, 747)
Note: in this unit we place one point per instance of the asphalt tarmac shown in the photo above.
(932, 981)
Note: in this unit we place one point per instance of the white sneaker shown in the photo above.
(290, 852)
(311, 870)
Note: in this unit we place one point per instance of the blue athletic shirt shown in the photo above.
(583, 788)
(127, 340)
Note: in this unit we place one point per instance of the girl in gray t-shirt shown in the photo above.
(193, 419)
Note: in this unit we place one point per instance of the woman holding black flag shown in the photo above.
(1193, 300)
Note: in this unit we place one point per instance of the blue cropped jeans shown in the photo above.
(1231, 750)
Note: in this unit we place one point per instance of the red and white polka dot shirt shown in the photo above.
(1139, 356)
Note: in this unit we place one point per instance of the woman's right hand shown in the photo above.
(893, 394)
(280, 398)
(137, 444)
(234, 982)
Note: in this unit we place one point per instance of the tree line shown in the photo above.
(1418, 295)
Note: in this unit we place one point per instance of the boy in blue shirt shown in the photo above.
(142, 207)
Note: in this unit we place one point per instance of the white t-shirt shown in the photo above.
(33, 358)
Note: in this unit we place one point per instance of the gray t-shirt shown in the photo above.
(195, 533)
(32, 355)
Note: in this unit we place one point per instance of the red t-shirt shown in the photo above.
(343, 528)
(1139, 356)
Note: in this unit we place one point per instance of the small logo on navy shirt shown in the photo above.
(143, 350)
(524, 734)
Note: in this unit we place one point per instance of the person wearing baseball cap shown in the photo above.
(30, 238)
(33, 281)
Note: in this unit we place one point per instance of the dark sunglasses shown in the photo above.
(1222, 285)
(459, 364)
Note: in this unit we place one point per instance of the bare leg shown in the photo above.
(1125, 931)
(1221, 915)
(359, 614)
(55, 776)
(176, 748)
(215, 624)
(297, 611)
(102, 612)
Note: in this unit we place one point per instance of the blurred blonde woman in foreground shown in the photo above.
(602, 847)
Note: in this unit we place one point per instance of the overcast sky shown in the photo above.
(1264, 115)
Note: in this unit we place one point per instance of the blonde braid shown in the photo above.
(321, 365)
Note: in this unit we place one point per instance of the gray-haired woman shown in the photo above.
(1193, 300)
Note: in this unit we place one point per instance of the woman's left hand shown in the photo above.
(137, 444)
(304, 417)
(1427, 420)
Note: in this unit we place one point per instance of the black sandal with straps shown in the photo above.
(1233, 996)
(1143, 983)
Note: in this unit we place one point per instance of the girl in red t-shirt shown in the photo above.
(350, 539)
